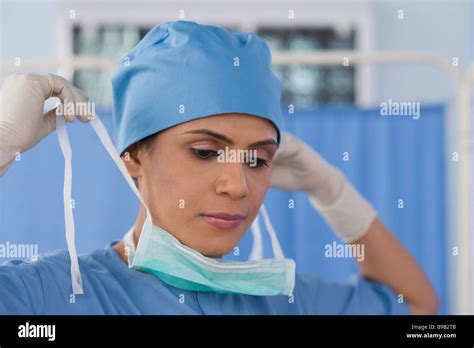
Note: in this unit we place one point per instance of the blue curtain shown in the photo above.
(389, 159)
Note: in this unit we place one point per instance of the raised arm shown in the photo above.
(297, 166)
(387, 261)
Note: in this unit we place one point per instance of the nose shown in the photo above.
(232, 181)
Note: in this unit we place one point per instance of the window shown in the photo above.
(302, 85)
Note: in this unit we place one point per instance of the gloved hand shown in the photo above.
(22, 122)
(298, 167)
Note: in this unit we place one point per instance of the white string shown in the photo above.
(100, 130)
(103, 135)
(257, 244)
(76, 279)
(129, 245)
(277, 251)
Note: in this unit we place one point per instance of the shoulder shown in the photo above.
(22, 290)
(56, 262)
(28, 285)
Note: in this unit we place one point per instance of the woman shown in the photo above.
(183, 95)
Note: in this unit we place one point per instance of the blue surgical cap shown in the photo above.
(182, 70)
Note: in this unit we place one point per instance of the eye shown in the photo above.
(262, 162)
(256, 162)
(204, 153)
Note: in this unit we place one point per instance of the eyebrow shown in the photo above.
(228, 140)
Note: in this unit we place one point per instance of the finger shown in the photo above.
(67, 113)
(74, 95)
(48, 124)
(62, 88)
(70, 96)
(59, 89)
(58, 84)
(81, 100)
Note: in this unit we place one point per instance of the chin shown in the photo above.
(213, 242)
(218, 250)
(216, 243)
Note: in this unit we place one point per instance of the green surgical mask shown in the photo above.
(160, 253)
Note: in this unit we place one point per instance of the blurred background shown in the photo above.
(337, 60)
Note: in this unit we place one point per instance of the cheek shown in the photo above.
(158, 182)
(259, 181)
(176, 188)
(257, 193)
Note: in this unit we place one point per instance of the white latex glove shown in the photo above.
(298, 167)
(22, 122)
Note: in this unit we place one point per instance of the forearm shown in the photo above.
(387, 261)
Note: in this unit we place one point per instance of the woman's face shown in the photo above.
(186, 184)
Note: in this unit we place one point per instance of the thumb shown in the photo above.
(48, 124)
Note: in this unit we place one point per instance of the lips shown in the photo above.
(226, 216)
(224, 221)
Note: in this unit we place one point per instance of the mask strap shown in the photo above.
(101, 132)
(76, 279)
(63, 138)
(277, 251)
(128, 240)
(103, 135)
(257, 245)
(129, 245)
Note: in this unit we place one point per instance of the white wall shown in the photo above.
(28, 29)
(439, 27)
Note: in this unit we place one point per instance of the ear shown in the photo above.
(131, 159)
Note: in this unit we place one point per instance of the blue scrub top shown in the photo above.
(110, 287)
